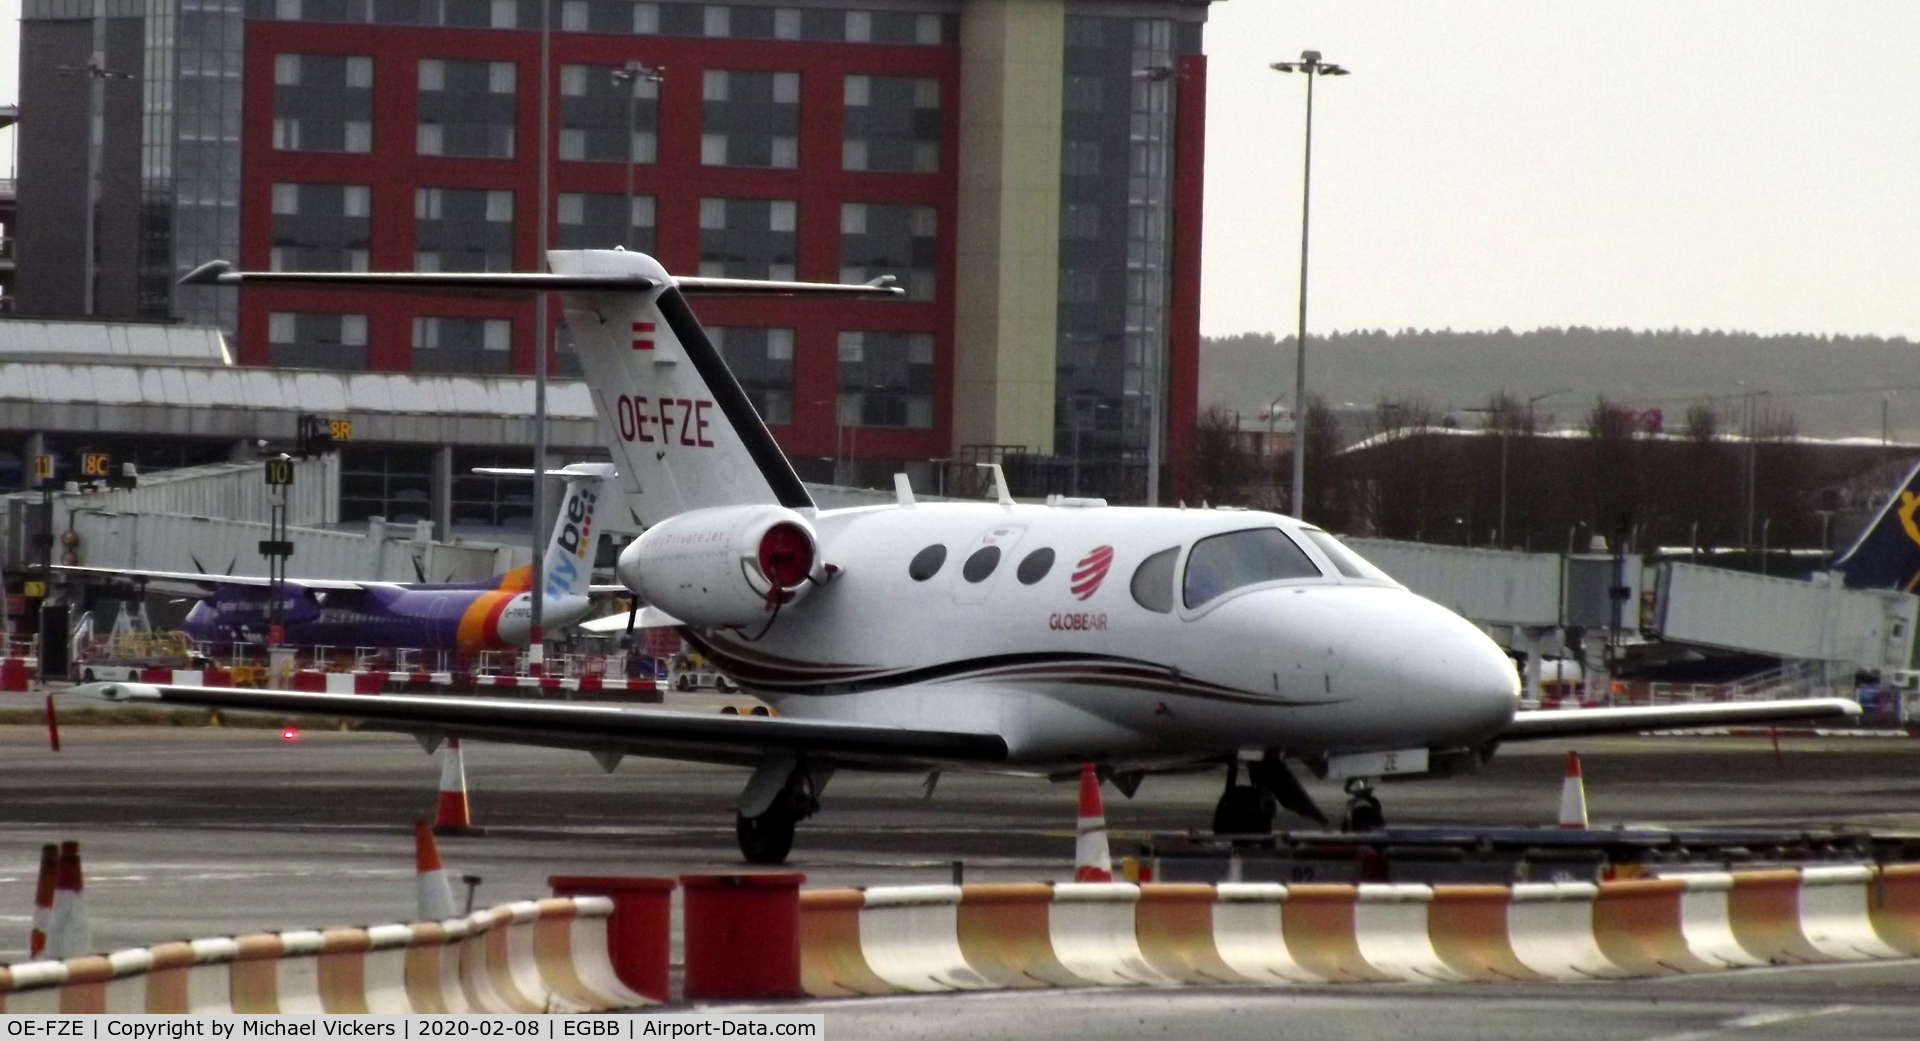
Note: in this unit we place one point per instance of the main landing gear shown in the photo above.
(781, 794)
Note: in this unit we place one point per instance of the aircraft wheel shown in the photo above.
(1364, 814)
(768, 838)
(1243, 810)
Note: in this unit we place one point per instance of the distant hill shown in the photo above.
(1833, 386)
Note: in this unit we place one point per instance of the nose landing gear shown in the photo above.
(1363, 807)
(1249, 809)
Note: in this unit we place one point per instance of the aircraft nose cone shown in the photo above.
(1466, 676)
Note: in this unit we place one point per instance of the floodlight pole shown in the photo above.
(632, 75)
(536, 568)
(1310, 64)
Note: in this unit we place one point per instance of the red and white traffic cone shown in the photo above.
(434, 889)
(43, 899)
(1573, 795)
(1090, 860)
(70, 928)
(451, 816)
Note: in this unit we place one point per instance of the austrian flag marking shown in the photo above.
(643, 336)
(1091, 571)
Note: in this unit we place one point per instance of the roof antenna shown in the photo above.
(903, 489)
(1004, 497)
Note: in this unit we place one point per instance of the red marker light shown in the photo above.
(289, 734)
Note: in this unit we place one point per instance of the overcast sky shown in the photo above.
(1731, 164)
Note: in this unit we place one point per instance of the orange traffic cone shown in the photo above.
(451, 816)
(1573, 795)
(1090, 860)
(69, 928)
(43, 899)
(434, 889)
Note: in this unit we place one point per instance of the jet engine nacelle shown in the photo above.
(728, 566)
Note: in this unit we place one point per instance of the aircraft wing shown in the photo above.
(206, 581)
(1580, 722)
(649, 618)
(604, 730)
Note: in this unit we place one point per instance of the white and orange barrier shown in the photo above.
(908, 939)
(534, 956)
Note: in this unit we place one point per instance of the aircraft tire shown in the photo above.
(1365, 814)
(768, 838)
(1243, 810)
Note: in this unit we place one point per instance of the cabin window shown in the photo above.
(981, 564)
(1035, 567)
(926, 563)
(1345, 561)
(1153, 581)
(1221, 564)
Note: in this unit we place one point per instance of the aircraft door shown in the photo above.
(984, 559)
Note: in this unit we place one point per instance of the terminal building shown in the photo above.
(1029, 171)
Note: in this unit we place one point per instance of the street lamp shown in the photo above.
(1312, 66)
(1753, 402)
(631, 76)
(1503, 457)
(1159, 111)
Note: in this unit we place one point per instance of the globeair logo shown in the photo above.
(1091, 571)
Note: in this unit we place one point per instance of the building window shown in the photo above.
(395, 483)
(607, 121)
(750, 119)
(444, 344)
(602, 221)
(321, 227)
(892, 124)
(902, 241)
(491, 500)
(462, 229)
(299, 340)
(886, 379)
(322, 103)
(466, 108)
(748, 238)
(762, 360)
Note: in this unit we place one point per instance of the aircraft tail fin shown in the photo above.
(570, 550)
(1887, 554)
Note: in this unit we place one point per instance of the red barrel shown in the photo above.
(637, 934)
(742, 936)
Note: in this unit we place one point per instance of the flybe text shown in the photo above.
(666, 421)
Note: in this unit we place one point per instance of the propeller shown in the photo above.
(418, 571)
(632, 616)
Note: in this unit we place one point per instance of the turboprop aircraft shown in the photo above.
(491, 614)
(991, 636)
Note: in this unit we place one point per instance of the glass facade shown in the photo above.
(466, 108)
(302, 340)
(489, 501)
(750, 119)
(886, 379)
(748, 238)
(321, 227)
(902, 241)
(462, 229)
(195, 84)
(892, 124)
(604, 120)
(1116, 179)
(395, 483)
(586, 220)
(475, 345)
(322, 103)
(762, 360)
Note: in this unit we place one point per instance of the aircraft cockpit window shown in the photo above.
(981, 564)
(1346, 561)
(926, 563)
(1221, 564)
(1035, 567)
(1153, 581)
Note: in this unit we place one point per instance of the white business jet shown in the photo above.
(989, 636)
